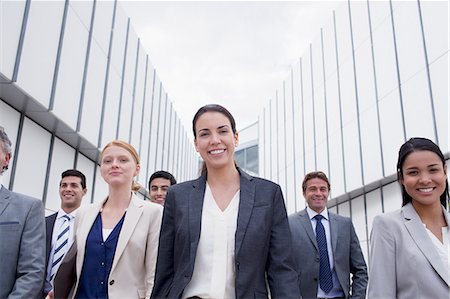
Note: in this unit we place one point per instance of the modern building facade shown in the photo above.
(376, 75)
(74, 76)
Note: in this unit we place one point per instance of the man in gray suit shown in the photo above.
(325, 246)
(22, 238)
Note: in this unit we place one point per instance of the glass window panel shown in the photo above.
(439, 78)
(83, 11)
(344, 209)
(93, 96)
(37, 63)
(87, 167)
(417, 105)
(102, 24)
(374, 208)
(138, 99)
(435, 16)
(125, 116)
(31, 169)
(62, 159)
(11, 13)
(111, 109)
(119, 41)
(10, 123)
(130, 60)
(101, 188)
(359, 218)
(392, 196)
(391, 130)
(70, 75)
(409, 40)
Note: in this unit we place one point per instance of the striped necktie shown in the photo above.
(325, 276)
(61, 245)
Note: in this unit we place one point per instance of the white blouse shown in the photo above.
(214, 273)
(442, 248)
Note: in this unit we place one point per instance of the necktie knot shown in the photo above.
(66, 218)
(318, 217)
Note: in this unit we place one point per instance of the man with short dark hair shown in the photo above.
(158, 184)
(60, 225)
(325, 246)
(22, 237)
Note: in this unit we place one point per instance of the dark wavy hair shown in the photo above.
(414, 145)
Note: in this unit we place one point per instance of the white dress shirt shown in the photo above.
(214, 273)
(336, 291)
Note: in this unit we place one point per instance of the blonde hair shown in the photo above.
(129, 148)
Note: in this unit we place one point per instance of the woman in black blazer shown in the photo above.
(225, 234)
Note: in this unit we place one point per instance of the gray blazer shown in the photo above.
(22, 245)
(262, 243)
(348, 258)
(404, 262)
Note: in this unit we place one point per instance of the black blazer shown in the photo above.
(49, 224)
(262, 242)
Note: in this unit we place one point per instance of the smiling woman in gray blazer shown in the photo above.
(410, 247)
(225, 234)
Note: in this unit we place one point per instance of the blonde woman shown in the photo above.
(117, 239)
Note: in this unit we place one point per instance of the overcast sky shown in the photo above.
(232, 53)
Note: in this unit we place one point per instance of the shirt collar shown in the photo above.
(312, 213)
(61, 213)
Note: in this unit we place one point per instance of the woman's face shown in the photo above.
(118, 166)
(215, 141)
(424, 177)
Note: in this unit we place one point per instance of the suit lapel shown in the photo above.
(246, 201)
(85, 222)
(418, 233)
(134, 212)
(195, 203)
(306, 223)
(334, 230)
(4, 199)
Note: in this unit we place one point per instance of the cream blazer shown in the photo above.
(133, 269)
(404, 262)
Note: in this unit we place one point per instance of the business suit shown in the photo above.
(49, 224)
(262, 240)
(348, 257)
(22, 245)
(404, 262)
(132, 271)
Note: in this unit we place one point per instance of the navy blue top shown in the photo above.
(98, 261)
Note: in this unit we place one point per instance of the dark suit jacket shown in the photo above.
(347, 255)
(22, 246)
(262, 241)
(49, 224)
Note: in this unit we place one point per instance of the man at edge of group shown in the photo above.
(22, 237)
(325, 246)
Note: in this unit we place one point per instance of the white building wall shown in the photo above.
(74, 76)
(375, 75)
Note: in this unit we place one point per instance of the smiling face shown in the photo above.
(424, 177)
(158, 190)
(71, 192)
(215, 140)
(316, 194)
(118, 167)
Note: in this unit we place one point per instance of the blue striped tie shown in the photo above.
(61, 246)
(325, 276)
